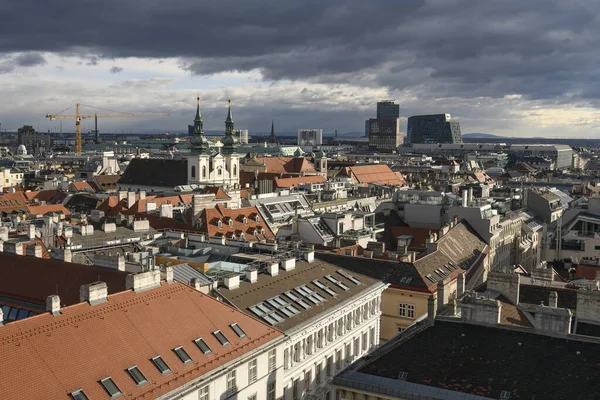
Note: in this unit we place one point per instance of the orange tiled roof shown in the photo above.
(49, 196)
(376, 173)
(50, 208)
(212, 216)
(287, 164)
(299, 180)
(82, 187)
(86, 343)
(12, 202)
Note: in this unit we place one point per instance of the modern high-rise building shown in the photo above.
(384, 131)
(243, 136)
(310, 137)
(435, 128)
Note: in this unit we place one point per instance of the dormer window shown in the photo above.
(245, 220)
(243, 235)
(231, 222)
(257, 218)
(220, 224)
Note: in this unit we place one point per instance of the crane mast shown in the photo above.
(78, 117)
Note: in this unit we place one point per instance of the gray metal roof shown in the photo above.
(184, 273)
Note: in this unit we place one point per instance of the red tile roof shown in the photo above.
(210, 218)
(420, 235)
(82, 187)
(50, 208)
(376, 173)
(86, 343)
(286, 164)
(49, 196)
(31, 279)
(299, 180)
(13, 202)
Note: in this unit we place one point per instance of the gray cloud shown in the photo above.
(115, 69)
(11, 63)
(434, 49)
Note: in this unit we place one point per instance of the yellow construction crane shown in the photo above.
(78, 117)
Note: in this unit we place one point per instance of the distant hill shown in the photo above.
(479, 136)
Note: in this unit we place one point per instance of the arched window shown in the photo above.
(204, 171)
(219, 172)
(193, 171)
(234, 170)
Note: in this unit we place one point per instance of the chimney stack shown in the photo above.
(232, 281)
(553, 299)
(273, 269)
(251, 275)
(1, 317)
(53, 304)
(143, 281)
(460, 284)
(470, 196)
(31, 232)
(169, 274)
(289, 264)
(93, 293)
(465, 198)
(431, 306)
(142, 195)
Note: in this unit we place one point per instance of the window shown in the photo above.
(203, 393)
(348, 351)
(193, 172)
(318, 373)
(161, 365)
(219, 171)
(110, 387)
(338, 359)
(79, 395)
(272, 360)
(221, 338)
(307, 379)
(182, 354)
(238, 331)
(356, 347)
(202, 346)
(365, 341)
(329, 366)
(372, 336)
(406, 310)
(252, 371)
(136, 375)
(234, 170)
(271, 391)
(204, 171)
(295, 391)
(231, 382)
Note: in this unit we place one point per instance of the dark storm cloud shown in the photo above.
(24, 60)
(541, 48)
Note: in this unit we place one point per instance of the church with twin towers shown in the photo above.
(206, 168)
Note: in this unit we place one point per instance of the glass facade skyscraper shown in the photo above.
(435, 128)
(384, 131)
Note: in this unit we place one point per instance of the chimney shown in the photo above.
(470, 196)
(443, 293)
(232, 281)
(122, 195)
(465, 198)
(309, 256)
(4, 233)
(289, 264)
(87, 230)
(34, 250)
(141, 225)
(169, 274)
(480, 310)
(93, 293)
(142, 195)
(31, 231)
(505, 281)
(195, 283)
(1, 317)
(588, 304)
(53, 304)
(368, 254)
(460, 284)
(553, 299)
(443, 230)
(109, 227)
(130, 199)
(555, 320)
(251, 275)
(143, 281)
(166, 210)
(273, 269)
(64, 255)
(431, 306)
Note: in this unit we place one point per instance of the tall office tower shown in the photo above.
(310, 137)
(243, 136)
(435, 128)
(384, 131)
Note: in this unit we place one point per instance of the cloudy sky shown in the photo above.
(509, 67)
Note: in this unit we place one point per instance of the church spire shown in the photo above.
(198, 142)
(230, 140)
(272, 138)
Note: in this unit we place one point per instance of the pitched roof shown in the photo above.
(87, 343)
(82, 186)
(266, 287)
(211, 216)
(155, 172)
(107, 180)
(286, 164)
(299, 180)
(50, 208)
(49, 196)
(375, 173)
(461, 243)
(535, 294)
(484, 361)
(10, 202)
(419, 235)
(32, 280)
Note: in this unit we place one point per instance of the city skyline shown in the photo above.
(515, 69)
